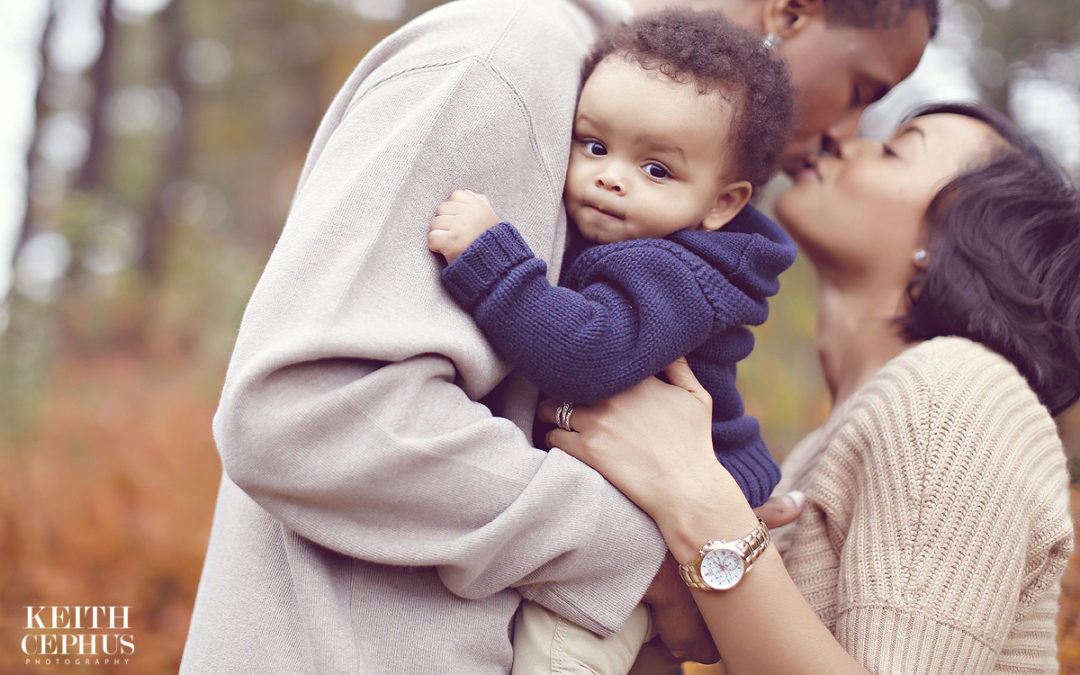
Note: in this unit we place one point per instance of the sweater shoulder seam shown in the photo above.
(484, 62)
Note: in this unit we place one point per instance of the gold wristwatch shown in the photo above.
(721, 565)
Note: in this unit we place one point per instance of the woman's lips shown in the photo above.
(806, 173)
(803, 168)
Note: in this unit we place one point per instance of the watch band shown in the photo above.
(749, 548)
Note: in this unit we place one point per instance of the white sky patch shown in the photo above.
(372, 10)
(77, 37)
(1050, 111)
(128, 10)
(20, 26)
(380, 10)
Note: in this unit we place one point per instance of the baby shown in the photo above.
(681, 115)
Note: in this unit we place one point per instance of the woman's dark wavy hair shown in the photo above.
(1004, 262)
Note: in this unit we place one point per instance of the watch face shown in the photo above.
(721, 568)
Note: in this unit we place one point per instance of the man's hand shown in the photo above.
(458, 223)
(676, 616)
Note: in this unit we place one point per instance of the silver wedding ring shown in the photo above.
(562, 415)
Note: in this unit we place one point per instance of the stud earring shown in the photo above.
(771, 42)
(919, 256)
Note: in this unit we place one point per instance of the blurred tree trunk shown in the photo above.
(101, 79)
(40, 108)
(156, 218)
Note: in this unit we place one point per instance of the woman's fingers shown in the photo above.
(679, 374)
(557, 438)
(546, 410)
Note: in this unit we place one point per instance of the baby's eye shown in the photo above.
(595, 148)
(656, 170)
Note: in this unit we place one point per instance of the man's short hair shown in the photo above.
(706, 49)
(880, 13)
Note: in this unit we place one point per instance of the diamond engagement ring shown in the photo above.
(562, 415)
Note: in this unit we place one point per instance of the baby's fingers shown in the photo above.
(449, 207)
(442, 222)
(437, 240)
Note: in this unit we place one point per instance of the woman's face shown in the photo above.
(861, 211)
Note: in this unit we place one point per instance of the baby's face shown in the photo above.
(648, 155)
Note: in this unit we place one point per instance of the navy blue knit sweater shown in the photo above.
(625, 311)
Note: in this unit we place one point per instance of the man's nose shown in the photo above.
(847, 126)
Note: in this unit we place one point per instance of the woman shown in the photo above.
(936, 527)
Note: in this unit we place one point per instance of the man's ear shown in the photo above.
(729, 202)
(784, 18)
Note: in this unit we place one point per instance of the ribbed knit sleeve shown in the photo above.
(937, 528)
(641, 307)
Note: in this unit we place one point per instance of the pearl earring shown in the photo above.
(771, 42)
(919, 256)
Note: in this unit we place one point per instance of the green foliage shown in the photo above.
(781, 380)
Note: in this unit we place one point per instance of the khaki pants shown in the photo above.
(547, 644)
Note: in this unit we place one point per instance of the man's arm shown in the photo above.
(350, 409)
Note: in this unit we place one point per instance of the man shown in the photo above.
(383, 509)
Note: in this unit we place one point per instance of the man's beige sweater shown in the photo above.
(383, 509)
(937, 525)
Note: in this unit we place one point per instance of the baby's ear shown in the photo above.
(732, 198)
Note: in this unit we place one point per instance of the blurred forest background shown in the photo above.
(148, 169)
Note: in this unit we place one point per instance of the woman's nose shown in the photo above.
(856, 146)
(844, 149)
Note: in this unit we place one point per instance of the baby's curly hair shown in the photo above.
(705, 48)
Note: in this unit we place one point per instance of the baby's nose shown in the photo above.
(609, 181)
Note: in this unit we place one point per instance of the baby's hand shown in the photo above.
(460, 220)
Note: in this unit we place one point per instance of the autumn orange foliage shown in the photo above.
(107, 500)
(1069, 617)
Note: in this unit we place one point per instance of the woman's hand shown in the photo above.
(650, 441)
(654, 443)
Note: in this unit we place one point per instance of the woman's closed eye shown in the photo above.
(887, 150)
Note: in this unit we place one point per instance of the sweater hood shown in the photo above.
(751, 251)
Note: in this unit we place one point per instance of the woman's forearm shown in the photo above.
(653, 443)
(763, 625)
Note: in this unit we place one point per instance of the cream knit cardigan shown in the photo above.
(937, 525)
